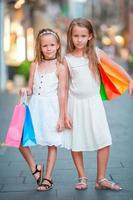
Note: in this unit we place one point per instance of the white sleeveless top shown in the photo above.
(44, 107)
(82, 82)
(45, 84)
(90, 130)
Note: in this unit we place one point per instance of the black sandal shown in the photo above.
(40, 171)
(45, 186)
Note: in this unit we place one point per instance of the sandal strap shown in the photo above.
(82, 178)
(82, 181)
(40, 171)
(110, 182)
(45, 185)
(110, 185)
(50, 181)
(36, 170)
(102, 180)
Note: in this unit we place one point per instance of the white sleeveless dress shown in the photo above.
(90, 127)
(44, 107)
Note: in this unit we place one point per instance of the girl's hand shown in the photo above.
(131, 88)
(24, 91)
(60, 125)
(68, 122)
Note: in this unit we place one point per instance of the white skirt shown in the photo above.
(45, 115)
(90, 129)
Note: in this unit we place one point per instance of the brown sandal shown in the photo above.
(105, 184)
(46, 186)
(39, 169)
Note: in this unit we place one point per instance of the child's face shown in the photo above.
(49, 46)
(80, 37)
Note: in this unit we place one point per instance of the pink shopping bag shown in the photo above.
(14, 133)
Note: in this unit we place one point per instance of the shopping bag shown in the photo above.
(14, 133)
(113, 81)
(28, 135)
(107, 87)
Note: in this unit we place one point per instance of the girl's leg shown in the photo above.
(51, 158)
(102, 161)
(26, 153)
(79, 164)
(37, 170)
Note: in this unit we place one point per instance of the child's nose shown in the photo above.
(79, 39)
(48, 48)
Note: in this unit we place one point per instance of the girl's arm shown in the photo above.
(31, 78)
(28, 90)
(68, 122)
(61, 95)
(103, 57)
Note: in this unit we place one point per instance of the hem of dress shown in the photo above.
(50, 145)
(88, 149)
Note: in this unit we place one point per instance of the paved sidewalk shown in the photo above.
(17, 183)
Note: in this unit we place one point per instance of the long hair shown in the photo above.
(38, 52)
(90, 48)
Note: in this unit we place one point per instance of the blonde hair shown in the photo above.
(38, 52)
(90, 48)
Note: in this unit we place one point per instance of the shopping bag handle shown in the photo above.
(24, 98)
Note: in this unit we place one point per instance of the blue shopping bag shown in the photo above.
(28, 135)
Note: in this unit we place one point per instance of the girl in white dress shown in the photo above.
(86, 121)
(47, 89)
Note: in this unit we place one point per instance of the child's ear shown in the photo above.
(90, 37)
(58, 46)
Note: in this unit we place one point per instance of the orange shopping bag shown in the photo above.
(113, 81)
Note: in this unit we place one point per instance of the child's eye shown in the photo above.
(83, 36)
(44, 45)
(52, 45)
(75, 35)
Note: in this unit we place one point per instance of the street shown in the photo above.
(17, 183)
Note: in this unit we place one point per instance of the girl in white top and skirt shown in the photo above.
(47, 89)
(85, 116)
